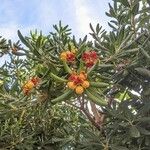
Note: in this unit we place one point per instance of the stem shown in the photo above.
(133, 24)
(132, 19)
(91, 119)
(85, 111)
(95, 112)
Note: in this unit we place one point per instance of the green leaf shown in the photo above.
(81, 66)
(144, 119)
(101, 66)
(62, 97)
(18, 53)
(109, 15)
(145, 53)
(147, 141)
(96, 100)
(119, 148)
(112, 11)
(66, 67)
(112, 26)
(38, 42)
(144, 20)
(143, 131)
(58, 79)
(121, 35)
(24, 41)
(143, 71)
(99, 84)
(98, 28)
(135, 9)
(124, 2)
(84, 39)
(91, 27)
(134, 132)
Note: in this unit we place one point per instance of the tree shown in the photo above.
(60, 93)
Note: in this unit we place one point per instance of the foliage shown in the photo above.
(41, 106)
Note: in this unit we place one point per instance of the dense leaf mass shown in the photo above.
(60, 93)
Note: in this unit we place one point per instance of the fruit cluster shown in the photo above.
(67, 56)
(78, 82)
(30, 85)
(90, 58)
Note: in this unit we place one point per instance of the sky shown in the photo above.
(27, 15)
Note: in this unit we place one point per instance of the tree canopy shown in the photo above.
(58, 92)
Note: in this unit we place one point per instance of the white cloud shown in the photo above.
(11, 20)
(10, 31)
(3, 59)
(84, 15)
(46, 13)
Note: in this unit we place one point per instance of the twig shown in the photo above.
(88, 115)
(95, 112)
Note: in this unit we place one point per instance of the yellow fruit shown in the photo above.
(29, 85)
(79, 89)
(63, 56)
(82, 75)
(85, 84)
(71, 85)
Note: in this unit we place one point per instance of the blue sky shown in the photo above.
(27, 15)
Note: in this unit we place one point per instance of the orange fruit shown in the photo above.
(63, 56)
(79, 89)
(86, 84)
(71, 85)
(82, 75)
(29, 85)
